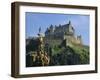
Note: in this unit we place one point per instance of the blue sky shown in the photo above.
(36, 20)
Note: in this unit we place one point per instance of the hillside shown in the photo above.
(73, 55)
(61, 54)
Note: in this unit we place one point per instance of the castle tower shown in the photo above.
(47, 32)
(79, 39)
(51, 28)
(71, 30)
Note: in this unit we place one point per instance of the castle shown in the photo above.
(56, 34)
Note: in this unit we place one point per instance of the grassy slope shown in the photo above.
(76, 54)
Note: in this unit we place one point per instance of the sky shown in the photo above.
(36, 20)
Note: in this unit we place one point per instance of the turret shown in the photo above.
(70, 29)
(51, 28)
(47, 32)
(79, 38)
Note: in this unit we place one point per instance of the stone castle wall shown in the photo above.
(55, 35)
(53, 42)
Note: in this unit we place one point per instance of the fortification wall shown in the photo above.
(53, 42)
